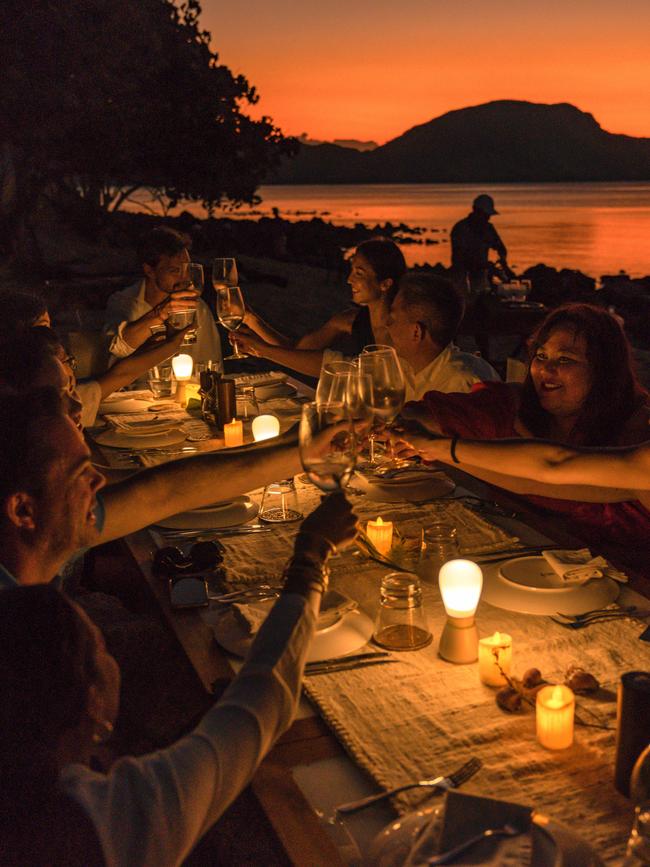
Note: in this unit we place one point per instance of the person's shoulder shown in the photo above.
(124, 296)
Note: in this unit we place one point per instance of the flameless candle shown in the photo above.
(380, 533)
(264, 427)
(554, 711)
(497, 647)
(182, 366)
(233, 433)
(460, 583)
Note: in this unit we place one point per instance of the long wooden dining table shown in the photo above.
(360, 731)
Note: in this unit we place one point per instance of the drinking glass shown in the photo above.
(439, 544)
(191, 281)
(161, 380)
(385, 396)
(231, 310)
(328, 458)
(401, 623)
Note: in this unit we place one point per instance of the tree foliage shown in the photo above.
(106, 96)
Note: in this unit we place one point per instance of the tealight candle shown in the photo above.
(554, 712)
(233, 433)
(380, 533)
(264, 427)
(494, 649)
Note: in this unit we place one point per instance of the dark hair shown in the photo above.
(438, 306)
(27, 452)
(385, 258)
(163, 241)
(615, 393)
(20, 310)
(23, 356)
(47, 665)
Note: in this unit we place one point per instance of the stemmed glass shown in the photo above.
(385, 395)
(224, 273)
(334, 382)
(191, 280)
(327, 444)
(231, 310)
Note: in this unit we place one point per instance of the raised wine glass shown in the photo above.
(191, 280)
(231, 310)
(333, 384)
(224, 273)
(327, 445)
(385, 397)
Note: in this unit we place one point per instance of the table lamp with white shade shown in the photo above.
(460, 583)
(265, 427)
(182, 366)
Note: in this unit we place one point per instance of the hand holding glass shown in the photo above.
(231, 310)
(327, 445)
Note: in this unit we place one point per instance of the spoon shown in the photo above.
(451, 854)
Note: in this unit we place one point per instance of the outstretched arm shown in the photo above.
(126, 370)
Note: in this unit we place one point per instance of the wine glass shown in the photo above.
(327, 444)
(231, 310)
(333, 384)
(191, 280)
(385, 397)
(224, 273)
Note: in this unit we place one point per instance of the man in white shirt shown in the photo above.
(135, 313)
(425, 314)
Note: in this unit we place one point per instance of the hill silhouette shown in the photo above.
(501, 141)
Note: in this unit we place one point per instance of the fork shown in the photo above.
(599, 618)
(630, 610)
(453, 781)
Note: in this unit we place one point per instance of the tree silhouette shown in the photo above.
(102, 97)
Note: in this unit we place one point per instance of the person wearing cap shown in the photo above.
(471, 241)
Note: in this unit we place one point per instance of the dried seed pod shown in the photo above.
(508, 699)
(532, 678)
(581, 681)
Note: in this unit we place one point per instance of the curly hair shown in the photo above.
(615, 393)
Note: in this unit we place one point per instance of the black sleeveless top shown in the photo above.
(361, 334)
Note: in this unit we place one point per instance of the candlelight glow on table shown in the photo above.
(494, 653)
(555, 709)
(182, 366)
(460, 583)
(265, 427)
(233, 433)
(380, 533)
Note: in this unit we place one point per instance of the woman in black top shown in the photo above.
(375, 269)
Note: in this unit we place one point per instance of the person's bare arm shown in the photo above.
(189, 483)
(268, 334)
(126, 370)
(302, 360)
(323, 337)
(137, 332)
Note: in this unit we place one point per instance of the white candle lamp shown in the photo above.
(380, 533)
(460, 583)
(182, 366)
(233, 433)
(265, 427)
(494, 659)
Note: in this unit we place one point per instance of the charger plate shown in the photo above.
(351, 632)
(229, 513)
(117, 440)
(523, 584)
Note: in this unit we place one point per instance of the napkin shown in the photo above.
(578, 567)
(464, 817)
(334, 605)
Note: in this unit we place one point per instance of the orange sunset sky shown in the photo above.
(370, 70)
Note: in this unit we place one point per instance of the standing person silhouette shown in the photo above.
(472, 238)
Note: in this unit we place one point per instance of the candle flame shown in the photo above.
(379, 522)
(497, 638)
(233, 421)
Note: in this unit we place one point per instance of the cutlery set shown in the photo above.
(599, 615)
(348, 663)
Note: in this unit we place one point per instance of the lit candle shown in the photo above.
(380, 533)
(554, 712)
(495, 648)
(233, 433)
(264, 427)
(182, 366)
(460, 582)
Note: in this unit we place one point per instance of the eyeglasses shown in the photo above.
(71, 361)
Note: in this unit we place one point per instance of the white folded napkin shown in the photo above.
(334, 605)
(577, 567)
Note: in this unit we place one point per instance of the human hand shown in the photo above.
(411, 438)
(417, 412)
(333, 522)
(248, 341)
(174, 342)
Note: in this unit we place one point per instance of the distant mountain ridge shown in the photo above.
(502, 141)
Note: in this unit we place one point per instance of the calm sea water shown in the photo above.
(598, 228)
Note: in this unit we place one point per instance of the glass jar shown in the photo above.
(439, 544)
(400, 623)
(280, 503)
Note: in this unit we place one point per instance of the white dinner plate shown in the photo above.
(117, 440)
(122, 403)
(413, 487)
(547, 844)
(523, 584)
(229, 513)
(350, 633)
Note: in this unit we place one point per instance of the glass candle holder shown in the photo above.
(280, 503)
(400, 623)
